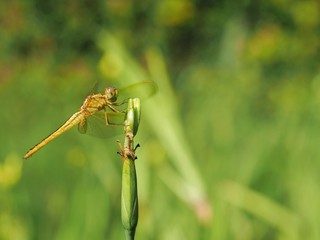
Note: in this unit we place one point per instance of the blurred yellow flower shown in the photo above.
(175, 12)
(10, 171)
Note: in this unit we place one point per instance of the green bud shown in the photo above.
(129, 196)
(133, 116)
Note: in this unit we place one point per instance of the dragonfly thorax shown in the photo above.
(111, 94)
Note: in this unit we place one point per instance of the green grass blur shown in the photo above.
(229, 144)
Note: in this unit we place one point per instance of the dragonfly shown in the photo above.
(106, 102)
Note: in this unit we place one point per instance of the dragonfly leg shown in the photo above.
(120, 103)
(113, 108)
(108, 123)
(116, 110)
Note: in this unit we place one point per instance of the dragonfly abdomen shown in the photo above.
(72, 121)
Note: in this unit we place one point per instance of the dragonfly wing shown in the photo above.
(142, 90)
(96, 125)
(82, 126)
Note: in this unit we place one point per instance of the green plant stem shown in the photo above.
(129, 193)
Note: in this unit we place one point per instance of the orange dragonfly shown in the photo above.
(93, 104)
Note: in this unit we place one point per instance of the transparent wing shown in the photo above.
(142, 90)
(96, 125)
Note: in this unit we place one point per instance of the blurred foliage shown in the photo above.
(229, 142)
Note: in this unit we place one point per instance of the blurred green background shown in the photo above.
(229, 144)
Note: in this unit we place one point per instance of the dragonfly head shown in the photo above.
(111, 94)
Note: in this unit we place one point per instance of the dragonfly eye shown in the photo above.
(111, 94)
